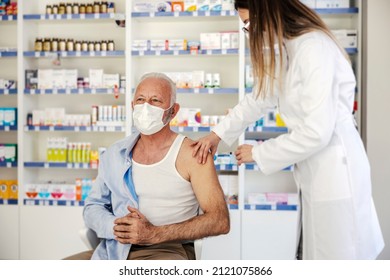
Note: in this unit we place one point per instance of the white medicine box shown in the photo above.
(330, 4)
(347, 38)
(309, 3)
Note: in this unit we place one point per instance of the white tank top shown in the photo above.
(164, 196)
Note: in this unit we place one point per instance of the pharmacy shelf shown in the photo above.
(8, 202)
(233, 206)
(255, 167)
(8, 91)
(8, 128)
(74, 54)
(276, 207)
(191, 128)
(226, 167)
(40, 164)
(52, 202)
(207, 91)
(8, 17)
(273, 129)
(8, 164)
(352, 50)
(338, 11)
(184, 14)
(73, 16)
(75, 128)
(186, 52)
(74, 91)
(8, 54)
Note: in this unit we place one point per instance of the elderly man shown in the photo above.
(149, 191)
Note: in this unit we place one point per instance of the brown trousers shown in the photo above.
(164, 251)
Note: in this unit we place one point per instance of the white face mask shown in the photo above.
(148, 118)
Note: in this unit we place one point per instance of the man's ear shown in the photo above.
(175, 109)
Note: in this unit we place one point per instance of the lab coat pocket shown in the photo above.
(330, 174)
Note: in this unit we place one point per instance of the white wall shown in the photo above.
(377, 110)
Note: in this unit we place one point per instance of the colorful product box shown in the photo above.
(8, 189)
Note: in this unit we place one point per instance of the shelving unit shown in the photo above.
(9, 210)
(257, 231)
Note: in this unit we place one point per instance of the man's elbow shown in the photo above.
(224, 224)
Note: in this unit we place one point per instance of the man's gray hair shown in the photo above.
(164, 77)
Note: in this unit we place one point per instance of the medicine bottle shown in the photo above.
(38, 45)
(70, 45)
(104, 46)
(84, 46)
(96, 7)
(77, 46)
(103, 7)
(69, 8)
(98, 46)
(55, 9)
(62, 45)
(46, 45)
(91, 46)
(89, 9)
(76, 8)
(62, 8)
(82, 9)
(111, 45)
(49, 9)
(54, 45)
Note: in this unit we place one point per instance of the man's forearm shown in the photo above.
(194, 228)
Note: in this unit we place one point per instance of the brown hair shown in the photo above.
(277, 19)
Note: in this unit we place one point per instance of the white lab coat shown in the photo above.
(331, 167)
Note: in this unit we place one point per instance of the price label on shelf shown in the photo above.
(68, 16)
(209, 52)
(181, 129)
(42, 17)
(36, 128)
(110, 128)
(64, 54)
(81, 91)
(6, 128)
(76, 165)
(93, 91)
(51, 128)
(68, 203)
(94, 128)
(67, 91)
(58, 16)
(195, 14)
(69, 166)
(176, 52)
(92, 54)
(32, 91)
(46, 165)
(77, 128)
(235, 168)
(223, 13)
(196, 90)
(55, 91)
(176, 14)
(103, 53)
(195, 129)
(78, 53)
(88, 128)
(55, 202)
(224, 51)
(85, 165)
(82, 16)
(158, 53)
(151, 14)
(207, 13)
(210, 90)
(96, 16)
(9, 164)
(6, 92)
(37, 54)
(51, 17)
(101, 129)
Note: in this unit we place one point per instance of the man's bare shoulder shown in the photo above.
(186, 154)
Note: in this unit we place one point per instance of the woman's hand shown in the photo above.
(205, 145)
(244, 154)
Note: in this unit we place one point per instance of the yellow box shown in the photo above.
(12, 189)
(4, 193)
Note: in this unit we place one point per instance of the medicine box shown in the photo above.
(31, 79)
(347, 38)
(8, 116)
(331, 4)
(309, 3)
(203, 5)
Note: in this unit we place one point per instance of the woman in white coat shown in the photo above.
(309, 78)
